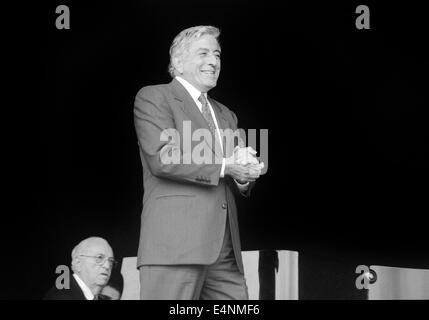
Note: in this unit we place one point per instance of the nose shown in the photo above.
(107, 264)
(213, 60)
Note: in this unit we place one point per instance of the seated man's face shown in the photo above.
(111, 292)
(91, 271)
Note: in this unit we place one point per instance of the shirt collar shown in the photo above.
(194, 92)
(86, 291)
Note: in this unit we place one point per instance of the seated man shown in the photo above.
(92, 263)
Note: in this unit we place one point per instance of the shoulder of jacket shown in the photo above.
(221, 105)
(225, 109)
(153, 89)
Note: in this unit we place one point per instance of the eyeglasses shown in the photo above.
(100, 259)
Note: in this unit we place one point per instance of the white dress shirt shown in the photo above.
(86, 291)
(195, 94)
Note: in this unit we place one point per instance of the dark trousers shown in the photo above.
(221, 280)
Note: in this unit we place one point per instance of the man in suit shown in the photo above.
(92, 263)
(189, 239)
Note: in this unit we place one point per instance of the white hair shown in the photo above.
(182, 41)
(79, 248)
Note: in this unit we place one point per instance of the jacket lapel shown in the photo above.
(187, 104)
(75, 290)
(222, 121)
(190, 108)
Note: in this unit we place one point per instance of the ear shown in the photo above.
(178, 64)
(77, 264)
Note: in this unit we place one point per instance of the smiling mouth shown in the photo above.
(212, 73)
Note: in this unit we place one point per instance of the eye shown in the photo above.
(113, 262)
(99, 258)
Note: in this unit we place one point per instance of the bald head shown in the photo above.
(89, 243)
(91, 261)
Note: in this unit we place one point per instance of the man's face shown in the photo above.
(200, 65)
(89, 271)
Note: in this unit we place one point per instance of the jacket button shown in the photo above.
(224, 205)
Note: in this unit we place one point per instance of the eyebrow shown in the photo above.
(205, 49)
(102, 254)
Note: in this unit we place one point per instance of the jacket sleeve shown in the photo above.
(237, 191)
(153, 118)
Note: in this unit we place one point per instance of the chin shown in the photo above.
(210, 85)
(102, 281)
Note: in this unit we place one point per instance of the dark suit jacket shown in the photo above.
(74, 293)
(184, 205)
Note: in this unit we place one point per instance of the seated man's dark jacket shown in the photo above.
(73, 293)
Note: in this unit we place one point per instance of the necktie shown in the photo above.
(208, 115)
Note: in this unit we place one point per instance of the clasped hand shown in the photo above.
(243, 165)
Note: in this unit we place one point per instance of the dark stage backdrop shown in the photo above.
(345, 109)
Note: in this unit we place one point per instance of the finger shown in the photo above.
(255, 170)
(251, 150)
(254, 166)
(254, 160)
(258, 166)
(251, 160)
(253, 175)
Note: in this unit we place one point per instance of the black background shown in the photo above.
(345, 109)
